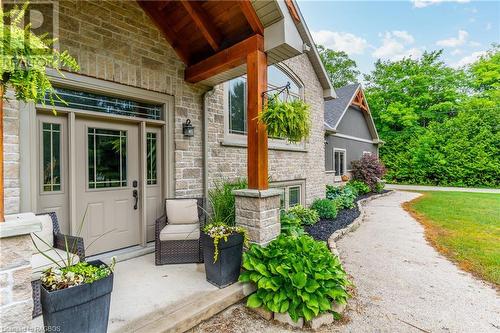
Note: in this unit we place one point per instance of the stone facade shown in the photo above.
(16, 304)
(11, 155)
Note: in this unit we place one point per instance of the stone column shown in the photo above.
(258, 211)
(16, 303)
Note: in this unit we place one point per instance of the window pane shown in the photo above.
(342, 165)
(337, 163)
(294, 196)
(277, 78)
(107, 155)
(282, 198)
(237, 106)
(51, 156)
(151, 159)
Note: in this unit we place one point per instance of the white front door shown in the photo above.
(107, 184)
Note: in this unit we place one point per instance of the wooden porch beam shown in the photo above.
(251, 16)
(165, 27)
(257, 155)
(224, 60)
(206, 27)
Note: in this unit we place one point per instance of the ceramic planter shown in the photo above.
(84, 308)
(226, 270)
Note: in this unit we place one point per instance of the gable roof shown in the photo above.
(335, 109)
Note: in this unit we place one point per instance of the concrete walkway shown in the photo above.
(441, 188)
(404, 285)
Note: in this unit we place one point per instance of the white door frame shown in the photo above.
(28, 139)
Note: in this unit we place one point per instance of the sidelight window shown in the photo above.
(51, 159)
(151, 143)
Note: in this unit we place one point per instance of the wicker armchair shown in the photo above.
(178, 251)
(75, 245)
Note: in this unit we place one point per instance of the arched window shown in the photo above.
(237, 97)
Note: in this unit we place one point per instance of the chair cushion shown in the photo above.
(180, 232)
(182, 211)
(47, 234)
(39, 262)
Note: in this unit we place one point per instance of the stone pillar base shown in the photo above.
(258, 211)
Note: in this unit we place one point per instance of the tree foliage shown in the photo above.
(340, 68)
(439, 124)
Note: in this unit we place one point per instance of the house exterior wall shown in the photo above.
(353, 123)
(116, 41)
(230, 162)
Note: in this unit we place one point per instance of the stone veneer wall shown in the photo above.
(116, 41)
(227, 162)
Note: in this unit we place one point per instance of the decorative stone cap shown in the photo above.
(19, 224)
(257, 193)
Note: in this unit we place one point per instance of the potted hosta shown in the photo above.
(222, 252)
(286, 120)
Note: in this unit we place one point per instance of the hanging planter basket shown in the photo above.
(286, 119)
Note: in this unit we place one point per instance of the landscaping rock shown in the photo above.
(267, 315)
(339, 308)
(322, 319)
(285, 319)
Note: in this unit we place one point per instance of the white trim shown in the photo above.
(338, 178)
(354, 138)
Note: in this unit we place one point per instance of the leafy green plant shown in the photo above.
(379, 187)
(325, 207)
(306, 216)
(343, 196)
(218, 231)
(291, 224)
(222, 201)
(75, 275)
(359, 185)
(25, 57)
(297, 275)
(284, 119)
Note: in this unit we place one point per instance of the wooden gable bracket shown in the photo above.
(251, 16)
(360, 101)
(206, 27)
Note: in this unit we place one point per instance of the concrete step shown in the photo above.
(186, 314)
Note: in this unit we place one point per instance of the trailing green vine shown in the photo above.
(218, 231)
(290, 120)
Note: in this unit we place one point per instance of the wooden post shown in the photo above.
(257, 160)
(2, 217)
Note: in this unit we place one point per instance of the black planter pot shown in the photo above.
(84, 308)
(226, 270)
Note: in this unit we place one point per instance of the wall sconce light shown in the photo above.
(187, 128)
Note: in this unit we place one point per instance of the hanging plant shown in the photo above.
(290, 120)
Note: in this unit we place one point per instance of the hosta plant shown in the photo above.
(326, 208)
(290, 120)
(360, 186)
(291, 224)
(343, 196)
(297, 275)
(306, 215)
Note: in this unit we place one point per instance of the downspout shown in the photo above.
(206, 96)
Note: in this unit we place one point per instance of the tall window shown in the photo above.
(151, 159)
(339, 158)
(51, 150)
(237, 97)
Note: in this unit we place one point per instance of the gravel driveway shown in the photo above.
(402, 283)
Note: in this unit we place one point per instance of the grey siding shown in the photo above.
(354, 149)
(354, 124)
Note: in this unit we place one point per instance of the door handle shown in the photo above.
(135, 194)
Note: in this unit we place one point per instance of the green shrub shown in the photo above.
(290, 224)
(307, 216)
(326, 208)
(368, 169)
(343, 196)
(360, 186)
(379, 187)
(221, 199)
(297, 275)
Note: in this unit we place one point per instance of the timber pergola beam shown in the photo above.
(224, 60)
(206, 27)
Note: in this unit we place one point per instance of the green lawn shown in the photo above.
(465, 227)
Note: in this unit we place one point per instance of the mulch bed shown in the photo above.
(325, 228)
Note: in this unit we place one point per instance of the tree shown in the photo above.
(340, 68)
(24, 58)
